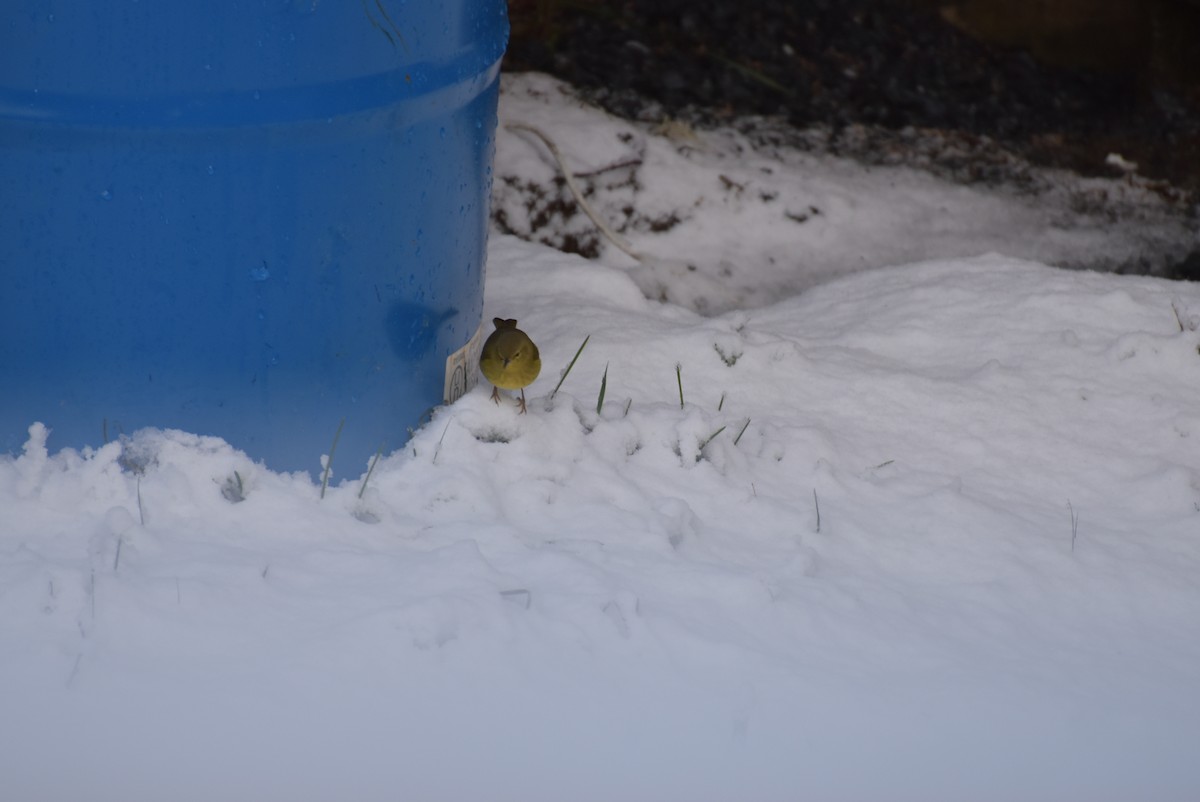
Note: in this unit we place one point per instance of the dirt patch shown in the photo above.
(846, 62)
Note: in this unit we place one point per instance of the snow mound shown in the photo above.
(734, 219)
(927, 532)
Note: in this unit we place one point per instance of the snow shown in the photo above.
(736, 220)
(953, 554)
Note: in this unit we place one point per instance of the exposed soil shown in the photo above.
(850, 64)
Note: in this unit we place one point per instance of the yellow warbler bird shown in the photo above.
(509, 359)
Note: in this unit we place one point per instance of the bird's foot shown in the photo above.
(521, 403)
(496, 395)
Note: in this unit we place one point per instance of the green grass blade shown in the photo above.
(370, 470)
(603, 387)
(329, 462)
(709, 439)
(742, 432)
(567, 372)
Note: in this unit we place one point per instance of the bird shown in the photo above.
(509, 359)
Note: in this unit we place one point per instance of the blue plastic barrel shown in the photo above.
(248, 219)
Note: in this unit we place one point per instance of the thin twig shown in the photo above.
(679, 381)
(613, 236)
(635, 161)
(817, 504)
(742, 432)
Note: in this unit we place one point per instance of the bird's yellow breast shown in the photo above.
(509, 359)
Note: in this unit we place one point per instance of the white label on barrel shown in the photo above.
(462, 368)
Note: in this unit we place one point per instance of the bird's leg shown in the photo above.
(496, 395)
(522, 401)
